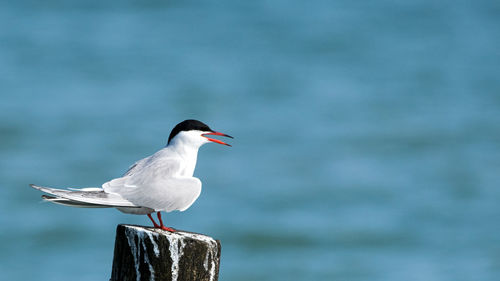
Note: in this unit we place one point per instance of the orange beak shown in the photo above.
(215, 140)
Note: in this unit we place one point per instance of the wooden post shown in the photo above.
(146, 253)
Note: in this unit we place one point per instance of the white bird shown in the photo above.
(161, 182)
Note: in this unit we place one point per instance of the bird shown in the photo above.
(163, 181)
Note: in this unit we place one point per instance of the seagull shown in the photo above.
(161, 182)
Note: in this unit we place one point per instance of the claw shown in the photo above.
(169, 229)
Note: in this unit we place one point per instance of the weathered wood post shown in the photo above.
(146, 253)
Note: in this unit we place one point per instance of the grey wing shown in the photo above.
(92, 196)
(168, 194)
(153, 183)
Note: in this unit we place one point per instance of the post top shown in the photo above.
(130, 228)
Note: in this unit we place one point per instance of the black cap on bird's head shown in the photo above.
(191, 125)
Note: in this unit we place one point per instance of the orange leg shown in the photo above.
(161, 224)
(154, 223)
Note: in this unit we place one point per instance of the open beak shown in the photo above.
(215, 140)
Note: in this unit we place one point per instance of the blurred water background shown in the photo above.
(367, 137)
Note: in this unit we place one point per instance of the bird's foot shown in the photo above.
(169, 229)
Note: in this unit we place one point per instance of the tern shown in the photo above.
(161, 182)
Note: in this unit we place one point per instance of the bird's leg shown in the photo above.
(154, 223)
(161, 224)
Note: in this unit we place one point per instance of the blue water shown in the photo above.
(367, 136)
